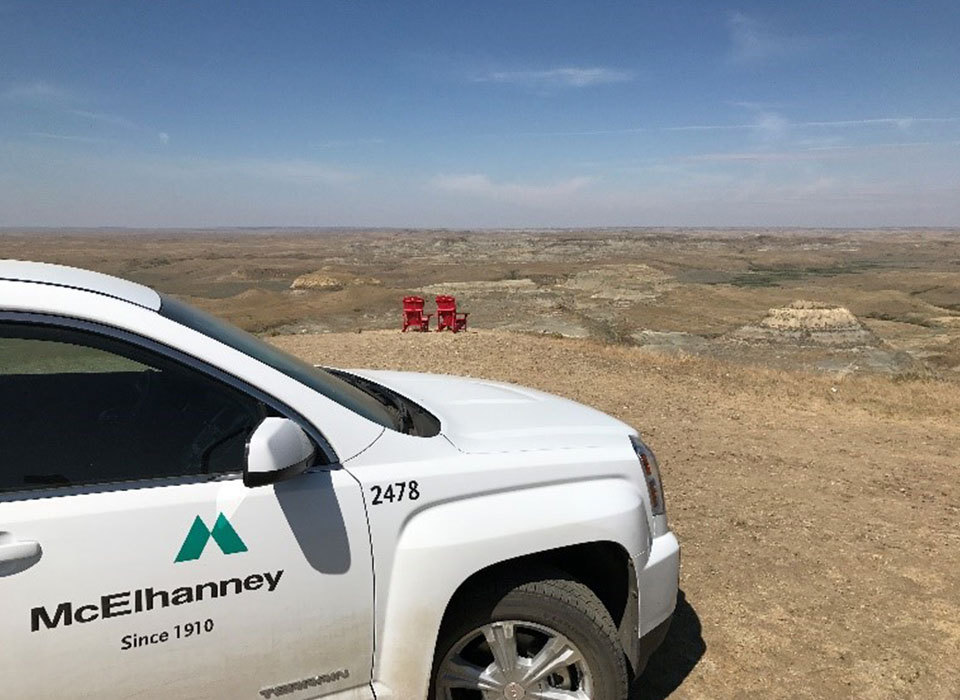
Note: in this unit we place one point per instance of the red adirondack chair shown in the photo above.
(413, 316)
(448, 316)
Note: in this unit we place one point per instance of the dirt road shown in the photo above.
(819, 515)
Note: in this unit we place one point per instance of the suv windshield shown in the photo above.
(319, 380)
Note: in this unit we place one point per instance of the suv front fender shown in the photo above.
(441, 546)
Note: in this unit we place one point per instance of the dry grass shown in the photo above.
(819, 515)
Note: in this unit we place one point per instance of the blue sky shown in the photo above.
(480, 114)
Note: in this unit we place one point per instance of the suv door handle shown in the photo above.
(15, 551)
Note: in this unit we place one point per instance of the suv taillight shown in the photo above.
(651, 475)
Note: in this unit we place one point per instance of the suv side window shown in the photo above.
(84, 408)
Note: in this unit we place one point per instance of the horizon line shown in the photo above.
(464, 229)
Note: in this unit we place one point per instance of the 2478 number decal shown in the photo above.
(393, 493)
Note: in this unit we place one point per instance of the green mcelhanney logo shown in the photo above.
(222, 533)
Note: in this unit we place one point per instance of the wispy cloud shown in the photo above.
(583, 132)
(290, 170)
(104, 118)
(62, 100)
(346, 143)
(899, 122)
(890, 146)
(753, 41)
(66, 137)
(756, 156)
(37, 91)
(558, 77)
(820, 152)
(769, 123)
(477, 185)
(772, 119)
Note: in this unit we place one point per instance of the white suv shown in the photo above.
(188, 512)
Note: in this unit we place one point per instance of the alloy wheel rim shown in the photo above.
(514, 660)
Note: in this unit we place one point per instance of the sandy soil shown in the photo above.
(819, 514)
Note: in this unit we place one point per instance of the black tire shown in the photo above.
(552, 600)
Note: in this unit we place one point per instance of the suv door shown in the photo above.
(133, 560)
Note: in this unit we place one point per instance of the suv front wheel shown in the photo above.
(546, 639)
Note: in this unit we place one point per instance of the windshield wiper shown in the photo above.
(389, 399)
(406, 418)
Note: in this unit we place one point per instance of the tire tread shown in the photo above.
(483, 597)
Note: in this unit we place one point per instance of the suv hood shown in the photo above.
(481, 416)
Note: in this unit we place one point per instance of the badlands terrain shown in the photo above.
(726, 294)
(800, 388)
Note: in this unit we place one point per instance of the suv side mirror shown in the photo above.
(278, 449)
